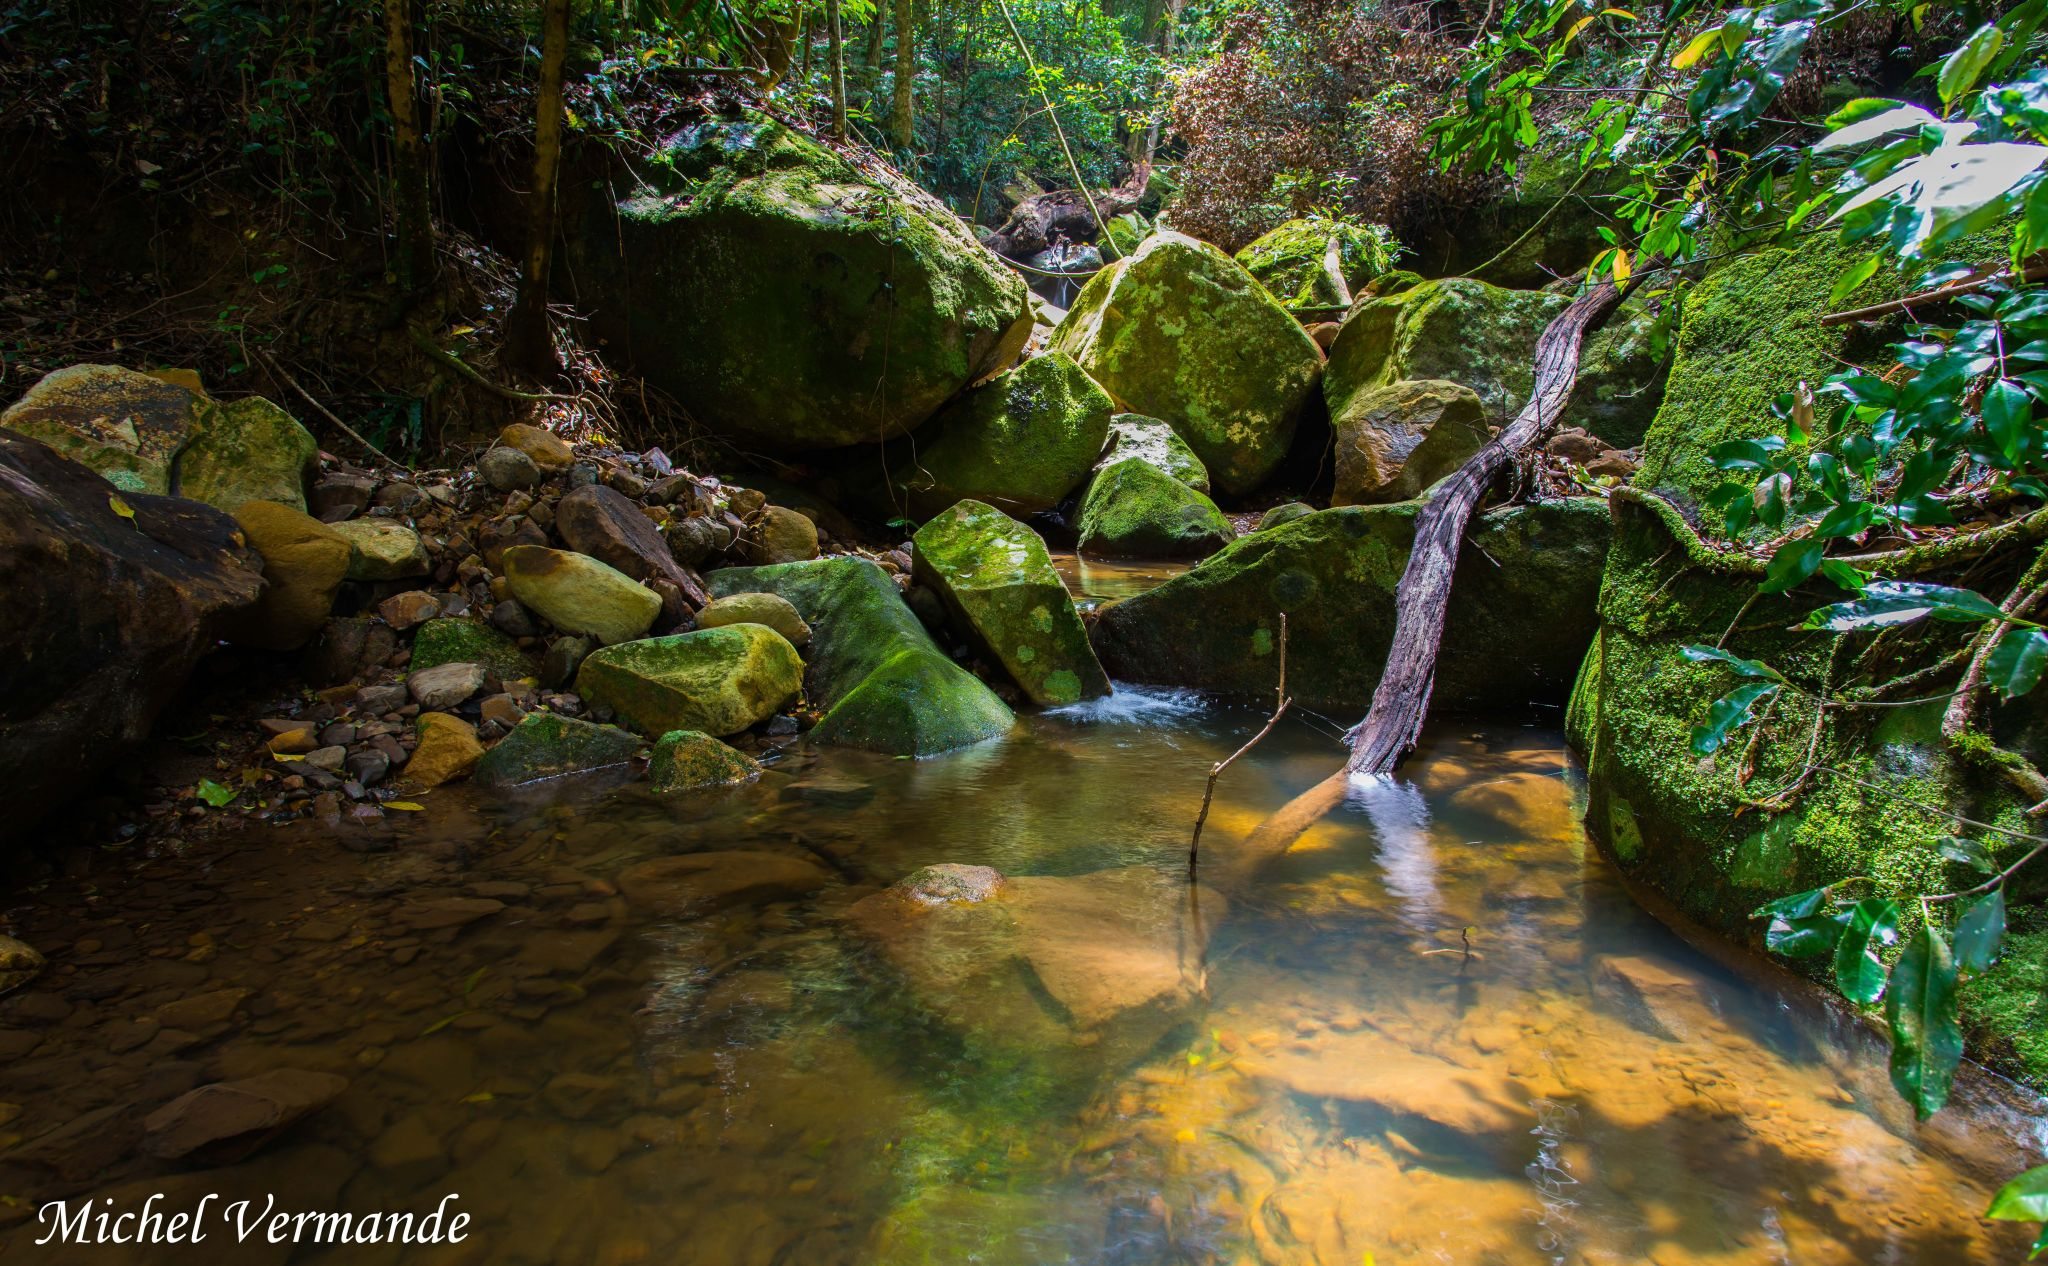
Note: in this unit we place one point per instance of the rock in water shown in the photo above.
(1394, 441)
(689, 760)
(999, 585)
(222, 1123)
(579, 594)
(1133, 510)
(104, 616)
(695, 883)
(304, 562)
(548, 746)
(1528, 578)
(1020, 442)
(794, 299)
(719, 681)
(1152, 441)
(1179, 331)
(883, 683)
(757, 608)
(1071, 975)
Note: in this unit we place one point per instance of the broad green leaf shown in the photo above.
(1959, 73)
(1981, 931)
(1859, 972)
(1798, 905)
(1940, 188)
(1969, 852)
(215, 794)
(2014, 665)
(1852, 277)
(1728, 714)
(1927, 1043)
(1868, 127)
(1792, 564)
(1704, 45)
(1886, 603)
(2024, 1199)
(1809, 937)
(1700, 654)
(2006, 412)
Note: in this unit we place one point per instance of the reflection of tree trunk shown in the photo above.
(408, 154)
(906, 74)
(838, 55)
(1401, 700)
(526, 327)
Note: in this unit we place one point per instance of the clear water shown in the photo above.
(1095, 581)
(1436, 1031)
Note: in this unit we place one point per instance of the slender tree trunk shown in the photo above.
(906, 74)
(527, 342)
(871, 60)
(410, 197)
(1162, 20)
(803, 24)
(838, 55)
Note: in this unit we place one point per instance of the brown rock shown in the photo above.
(304, 563)
(783, 536)
(604, 524)
(405, 610)
(696, 882)
(1394, 441)
(226, 1121)
(1614, 464)
(1574, 445)
(446, 912)
(549, 451)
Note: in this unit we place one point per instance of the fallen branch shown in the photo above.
(277, 371)
(426, 343)
(1976, 281)
(1216, 771)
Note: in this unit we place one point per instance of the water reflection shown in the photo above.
(1400, 819)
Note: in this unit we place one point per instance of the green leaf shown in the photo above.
(1868, 118)
(1792, 564)
(2014, 665)
(2024, 1199)
(1700, 654)
(1810, 937)
(215, 794)
(1859, 972)
(2006, 412)
(1728, 714)
(1798, 905)
(1852, 277)
(1980, 932)
(1927, 1043)
(1886, 603)
(1969, 852)
(1959, 73)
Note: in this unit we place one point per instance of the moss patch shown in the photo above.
(1020, 442)
(1135, 510)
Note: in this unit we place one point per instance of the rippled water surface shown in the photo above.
(1436, 1031)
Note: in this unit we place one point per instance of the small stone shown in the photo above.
(688, 760)
(448, 749)
(378, 700)
(830, 790)
(783, 536)
(340, 734)
(382, 549)
(339, 497)
(368, 767)
(577, 1096)
(513, 620)
(408, 1155)
(446, 912)
(201, 1011)
(503, 710)
(406, 610)
(546, 450)
(327, 759)
(770, 609)
(508, 470)
(296, 741)
(444, 686)
(565, 655)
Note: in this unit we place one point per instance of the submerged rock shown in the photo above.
(1528, 578)
(1000, 588)
(225, 1121)
(1134, 510)
(1393, 442)
(1153, 441)
(1020, 442)
(579, 594)
(1179, 331)
(720, 681)
(304, 562)
(103, 619)
(688, 760)
(544, 745)
(696, 883)
(881, 681)
(794, 299)
(757, 608)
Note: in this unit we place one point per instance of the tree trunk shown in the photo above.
(410, 197)
(527, 343)
(871, 61)
(1162, 19)
(906, 74)
(1401, 700)
(777, 50)
(837, 41)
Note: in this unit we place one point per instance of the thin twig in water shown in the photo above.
(1216, 771)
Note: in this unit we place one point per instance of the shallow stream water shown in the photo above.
(1437, 1031)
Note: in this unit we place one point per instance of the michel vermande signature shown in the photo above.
(248, 1219)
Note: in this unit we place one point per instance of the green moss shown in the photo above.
(1152, 440)
(1285, 512)
(690, 760)
(544, 745)
(1288, 261)
(882, 681)
(999, 585)
(1134, 510)
(452, 640)
(1179, 331)
(718, 680)
(1020, 442)
(1527, 578)
(249, 450)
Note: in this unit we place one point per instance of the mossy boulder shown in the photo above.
(1021, 441)
(544, 745)
(383, 549)
(757, 608)
(999, 586)
(691, 760)
(126, 426)
(1135, 510)
(1151, 440)
(1180, 331)
(795, 300)
(1484, 337)
(881, 681)
(578, 594)
(1396, 440)
(459, 640)
(1527, 578)
(1289, 260)
(304, 563)
(1285, 512)
(248, 450)
(720, 681)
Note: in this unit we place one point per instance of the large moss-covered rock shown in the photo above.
(1484, 337)
(248, 450)
(544, 745)
(719, 681)
(126, 426)
(794, 299)
(1153, 440)
(999, 586)
(882, 682)
(1021, 441)
(578, 594)
(1527, 578)
(1179, 331)
(458, 640)
(1134, 510)
(1396, 440)
(691, 760)
(1289, 261)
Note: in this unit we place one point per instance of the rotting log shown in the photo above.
(1400, 701)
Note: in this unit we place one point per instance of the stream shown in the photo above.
(1367, 1081)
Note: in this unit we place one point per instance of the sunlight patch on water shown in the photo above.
(1400, 817)
(1147, 706)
